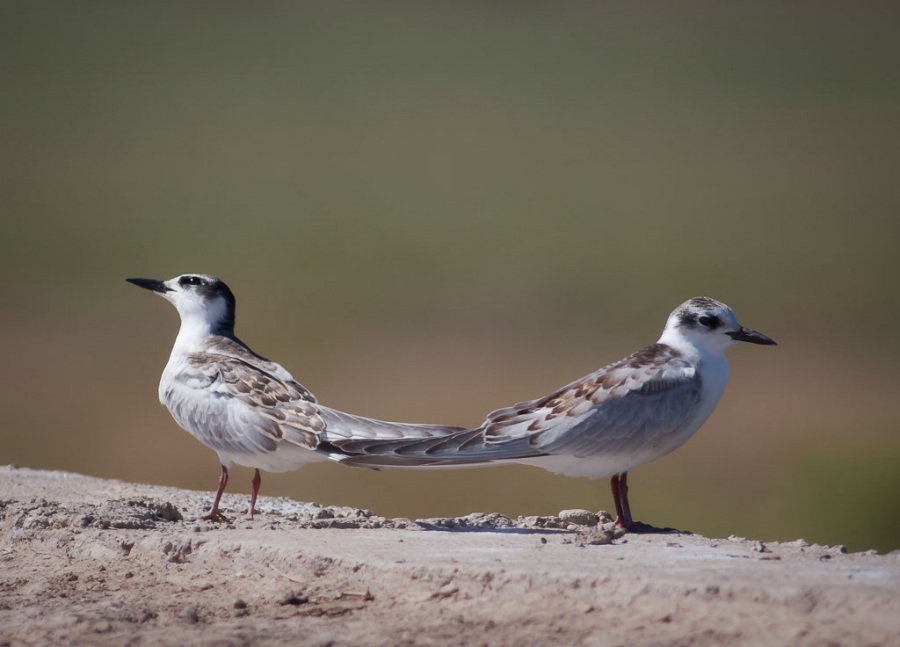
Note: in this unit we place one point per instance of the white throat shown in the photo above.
(191, 334)
(710, 363)
(199, 319)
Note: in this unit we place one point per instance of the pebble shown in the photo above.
(578, 517)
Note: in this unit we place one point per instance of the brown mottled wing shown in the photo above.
(235, 404)
(249, 382)
(618, 409)
(241, 403)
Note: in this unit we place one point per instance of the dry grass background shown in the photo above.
(429, 212)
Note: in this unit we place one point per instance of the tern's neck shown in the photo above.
(194, 330)
(691, 351)
(711, 367)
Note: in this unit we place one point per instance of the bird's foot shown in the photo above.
(215, 516)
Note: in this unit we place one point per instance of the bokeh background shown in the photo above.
(428, 211)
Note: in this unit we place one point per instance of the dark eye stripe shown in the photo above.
(190, 280)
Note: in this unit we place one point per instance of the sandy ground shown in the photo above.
(95, 562)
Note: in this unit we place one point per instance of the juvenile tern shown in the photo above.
(248, 409)
(605, 424)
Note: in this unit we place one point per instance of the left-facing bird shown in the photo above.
(250, 410)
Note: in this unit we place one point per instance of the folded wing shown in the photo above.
(237, 402)
(629, 404)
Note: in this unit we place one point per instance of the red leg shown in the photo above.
(614, 485)
(214, 514)
(619, 484)
(255, 485)
(626, 508)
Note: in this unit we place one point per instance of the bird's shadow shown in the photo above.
(505, 530)
(638, 528)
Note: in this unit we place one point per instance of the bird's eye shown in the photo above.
(190, 280)
(708, 321)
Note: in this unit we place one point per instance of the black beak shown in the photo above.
(150, 284)
(745, 334)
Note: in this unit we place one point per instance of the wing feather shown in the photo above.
(235, 401)
(242, 405)
(632, 403)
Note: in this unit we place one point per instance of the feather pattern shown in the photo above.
(245, 406)
(632, 404)
(604, 424)
(248, 409)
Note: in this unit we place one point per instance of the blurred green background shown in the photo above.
(428, 211)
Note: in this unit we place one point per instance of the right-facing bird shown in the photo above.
(605, 424)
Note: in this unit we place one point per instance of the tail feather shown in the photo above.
(343, 427)
(457, 449)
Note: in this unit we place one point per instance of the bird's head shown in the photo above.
(709, 326)
(202, 301)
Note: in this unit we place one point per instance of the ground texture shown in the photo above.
(94, 562)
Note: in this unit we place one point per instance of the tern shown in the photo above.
(249, 410)
(604, 424)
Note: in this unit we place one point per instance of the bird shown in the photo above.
(604, 424)
(248, 409)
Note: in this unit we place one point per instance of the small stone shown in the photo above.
(240, 604)
(603, 517)
(578, 517)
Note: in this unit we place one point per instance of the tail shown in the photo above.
(459, 448)
(346, 427)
